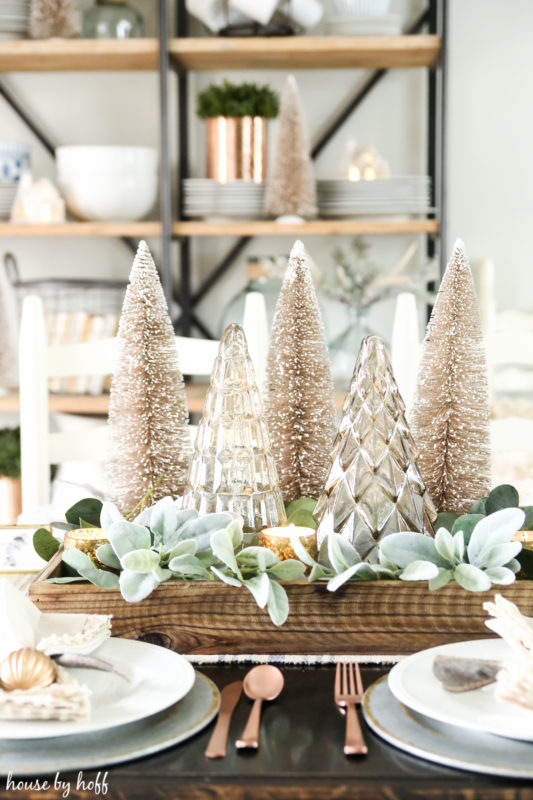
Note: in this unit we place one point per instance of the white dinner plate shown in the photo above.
(157, 678)
(413, 683)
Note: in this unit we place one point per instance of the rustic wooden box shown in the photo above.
(376, 617)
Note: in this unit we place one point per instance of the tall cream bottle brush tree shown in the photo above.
(300, 394)
(54, 19)
(149, 445)
(291, 186)
(450, 417)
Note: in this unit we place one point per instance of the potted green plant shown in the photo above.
(236, 119)
(10, 485)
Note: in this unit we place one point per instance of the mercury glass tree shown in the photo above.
(232, 468)
(374, 486)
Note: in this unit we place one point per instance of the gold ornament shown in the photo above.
(26, 669)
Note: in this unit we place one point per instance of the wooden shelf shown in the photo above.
(305, 52)
(96, 405)
(214, 53)
(63, 55)
(320, 227)
(134, 229)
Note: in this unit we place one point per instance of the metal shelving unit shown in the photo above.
(423, 45)
(414, 49)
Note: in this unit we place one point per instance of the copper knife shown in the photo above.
(230, 696)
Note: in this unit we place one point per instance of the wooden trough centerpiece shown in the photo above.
(209, 617)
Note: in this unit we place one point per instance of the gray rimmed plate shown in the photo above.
(124, 743)
(443, 743)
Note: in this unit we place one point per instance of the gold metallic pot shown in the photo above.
(236, 148)
(10, 500)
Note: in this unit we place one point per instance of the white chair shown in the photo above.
(255, 326)
(37, 363)
(405, 346)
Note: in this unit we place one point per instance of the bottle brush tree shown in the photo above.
(450, 417)
(149, 447)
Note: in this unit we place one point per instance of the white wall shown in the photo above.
(490, 131)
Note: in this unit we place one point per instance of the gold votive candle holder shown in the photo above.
(279, 540)
(88, 540)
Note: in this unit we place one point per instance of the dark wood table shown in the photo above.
(301, 756)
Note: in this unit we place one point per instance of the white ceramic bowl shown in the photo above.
(108, 183)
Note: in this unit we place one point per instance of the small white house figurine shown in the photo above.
(37, 201)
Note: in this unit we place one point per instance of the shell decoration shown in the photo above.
(26, 669)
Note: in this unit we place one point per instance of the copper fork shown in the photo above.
(348, 695)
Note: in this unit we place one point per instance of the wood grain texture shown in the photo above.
(63, 55)
(306, 52)
(136, 230)
(378, 617)
(318, 227)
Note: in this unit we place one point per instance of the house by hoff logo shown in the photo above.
(97, 786)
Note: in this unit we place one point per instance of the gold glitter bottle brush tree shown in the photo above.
(450, 417)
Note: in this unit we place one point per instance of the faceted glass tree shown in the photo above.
(374, 486)
(232, 468)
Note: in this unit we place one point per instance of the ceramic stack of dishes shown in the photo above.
(205, 197)
(14, 160)
(14, 19)
(399, 195)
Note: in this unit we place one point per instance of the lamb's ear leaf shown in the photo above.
(471, 578)
(76, 559)
(136, 586)
(278, 603)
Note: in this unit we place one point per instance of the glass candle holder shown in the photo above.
(279, 540)
(88, 540)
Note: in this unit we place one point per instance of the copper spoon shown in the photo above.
(264, 682)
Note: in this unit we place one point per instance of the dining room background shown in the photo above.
(266, 415)
(486, 169)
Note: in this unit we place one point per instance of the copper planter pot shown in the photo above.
(10, 500)
(236, 149)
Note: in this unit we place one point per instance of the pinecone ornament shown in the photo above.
(232, 468)
(374, 486)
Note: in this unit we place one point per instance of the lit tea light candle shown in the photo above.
(88, 540)
(279, 540)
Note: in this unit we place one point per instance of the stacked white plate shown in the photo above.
(14, 160)
(14, 19)
(399, 195)
(204, 197)
(350, 25)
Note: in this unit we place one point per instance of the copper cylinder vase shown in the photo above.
(236, 149)
(10, 500)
